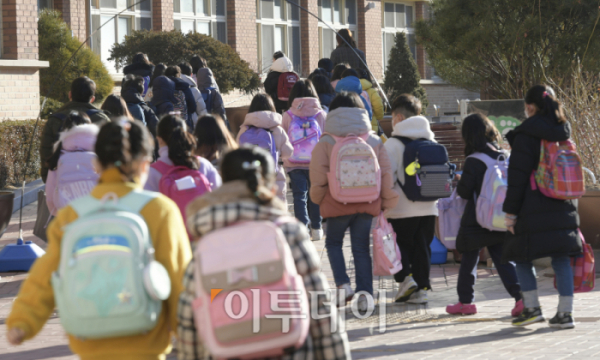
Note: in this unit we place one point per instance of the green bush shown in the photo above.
(57, 45)
(16, 135)
(173, 47)
(51, 106)
(402, 74)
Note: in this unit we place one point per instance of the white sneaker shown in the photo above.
(365, 305)
(317, 234)
(418, 297)
(407, 287)
(344, 294)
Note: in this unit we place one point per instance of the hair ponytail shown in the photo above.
(181, 149)
(254, 166)
(544, 98)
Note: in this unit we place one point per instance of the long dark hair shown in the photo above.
(197, 62)
(261, 102)
(116, 106)
(345, 35)
(322, 85)
(346, 99)
(477, 131)
(141, 58)
(338, 70)
(213, 137)
(253, 165)
(302, 89)
(159, 70)
(121, 142)
(75, 118)
(182, 144)
(542, 96)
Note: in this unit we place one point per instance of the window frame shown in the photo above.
(198, 18)
(409, 31)
(344, 24)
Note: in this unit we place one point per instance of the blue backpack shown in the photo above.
(146, 85)
(262, 138)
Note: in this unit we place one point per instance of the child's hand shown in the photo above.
(15, 336)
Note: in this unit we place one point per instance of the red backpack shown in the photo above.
(285, 85)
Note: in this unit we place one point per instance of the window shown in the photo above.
(339, 14)
(278, 28)
(202, 16)
(138, 17)
(397, 18)
(45, 4)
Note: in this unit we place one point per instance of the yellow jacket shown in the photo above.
(376, 102)
(35, 302)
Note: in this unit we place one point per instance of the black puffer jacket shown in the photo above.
(271, 83)
(134, 99)
(545, 226)
(140, 69)
(471, 236)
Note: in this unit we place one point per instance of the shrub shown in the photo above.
(402, 74)
(173, 47)
(16, 135)
(51, 106)
(57, 45)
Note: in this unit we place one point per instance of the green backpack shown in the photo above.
(108, 283)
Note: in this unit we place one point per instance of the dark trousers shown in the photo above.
(414, 236)
(468, 273)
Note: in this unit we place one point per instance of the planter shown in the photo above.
(589, 211)
(236, 116)
(6, 205)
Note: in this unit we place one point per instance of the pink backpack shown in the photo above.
(559, 174)
(386, 253)
(304, 134)
(75, 177)
(240, 272)
(354, 174)
(181, 184)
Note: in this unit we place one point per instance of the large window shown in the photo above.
(202, 16)
(45, 4)
(278, 25)
(339, 14)
(138, 17)
(397, 17)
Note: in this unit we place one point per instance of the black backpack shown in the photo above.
(434, 173)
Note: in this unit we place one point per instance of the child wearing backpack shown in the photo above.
(213, 139)
(71, 172)
(413, 218)
(210, 93)
(543, 225)
(304, 123)
(351, 180)
(163, 96)
(244, 222)
(481, 148)
(262, 127)
(280, 80)
(115, 276)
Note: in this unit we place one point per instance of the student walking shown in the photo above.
(262, 127)
(140, 66)
(281, 65)
(338, 70)
(182, 86)
(539, 226)
(131, 91)
(346, 51)
(374, 98)
(413, 221)
(324, 90)
(116, 107)
(304, 123)
(186, 75)
(351, 83)
(107, 285)
(247, 198)
(348, 119)
(159, 70)
(481, 137)
(210, 93)
(214, 140)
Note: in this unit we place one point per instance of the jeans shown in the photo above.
(562, 269)
(414, 236)
(468, 273)
(360, 228)
(300, 182)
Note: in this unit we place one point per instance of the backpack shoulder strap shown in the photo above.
(134, 201)
(161, 167)
(92, 112)
(137, 199)
(403, 139)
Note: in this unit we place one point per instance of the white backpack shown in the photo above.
(488, 207)
(238, 272)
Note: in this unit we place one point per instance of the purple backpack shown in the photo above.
(304, 134)
(75, 178)
(263, 138)
(450, 214)
(488, 206)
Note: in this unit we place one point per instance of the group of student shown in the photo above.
(204, 185)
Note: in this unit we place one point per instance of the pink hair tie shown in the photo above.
(545, 94)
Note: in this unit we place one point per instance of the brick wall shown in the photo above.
(162, 15)
(20, 34)
(75, 15)
(309, 36)
(445, 97)
(369, 39)
(19, 93)
(241, 30)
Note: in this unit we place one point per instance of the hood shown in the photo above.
(263, 119)
(78, 138)
(416, 127)
(180, 84)
(189, 80)
(206, 79)
(163, 89)
(542, 127)
(305, 107)
(140, 69)
(282, 65)
(344, 121)
(131, 96)
(232, 202)
(366, 84)
(350, 84)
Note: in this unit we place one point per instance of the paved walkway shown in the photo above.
(412, 332)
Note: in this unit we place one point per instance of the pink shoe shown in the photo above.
(461, 309)
(518, 309)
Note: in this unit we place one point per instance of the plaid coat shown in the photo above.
(212, 215)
